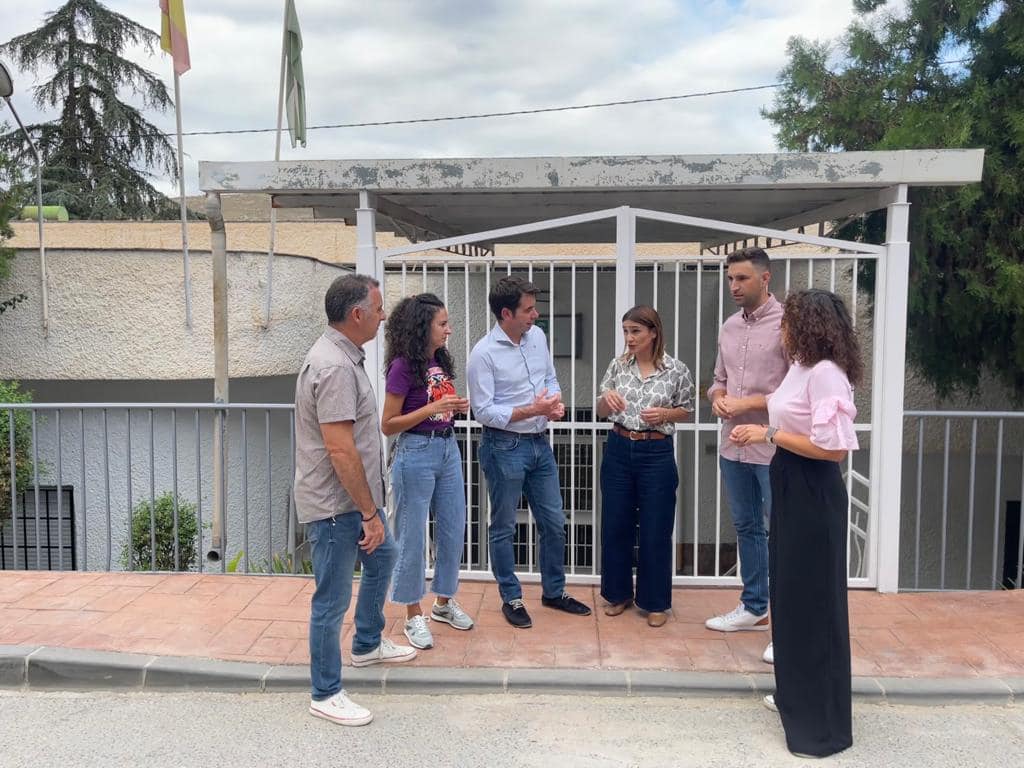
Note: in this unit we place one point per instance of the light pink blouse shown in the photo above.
(817, 402)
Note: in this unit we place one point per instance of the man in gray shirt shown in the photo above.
(339, 495)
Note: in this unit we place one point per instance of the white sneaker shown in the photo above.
(385, 653)
(340, 709)
(769, 702)
(739, 618)
(768, 657)
(451, 613)
(418, 632)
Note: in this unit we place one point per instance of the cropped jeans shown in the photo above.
(426, 481)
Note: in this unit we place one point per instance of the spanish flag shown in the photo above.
(173, 37)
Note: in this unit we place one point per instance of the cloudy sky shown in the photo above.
(389, 59)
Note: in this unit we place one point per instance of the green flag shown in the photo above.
(295, 87)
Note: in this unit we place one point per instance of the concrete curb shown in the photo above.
(24, 667)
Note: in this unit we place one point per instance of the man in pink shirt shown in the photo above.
(750, 365)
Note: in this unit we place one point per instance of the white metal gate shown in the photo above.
(583, 299)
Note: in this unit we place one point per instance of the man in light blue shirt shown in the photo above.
(514, 393)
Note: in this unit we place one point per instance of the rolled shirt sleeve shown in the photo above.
(684, 388)
(832, 409)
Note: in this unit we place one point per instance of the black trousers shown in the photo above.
(807, 592)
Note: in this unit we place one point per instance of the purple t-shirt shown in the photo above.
(400, 382)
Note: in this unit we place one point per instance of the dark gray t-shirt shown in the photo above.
(334, 386)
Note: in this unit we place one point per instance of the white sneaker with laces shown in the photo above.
(385, 653)
(340, 709)
(738, 619)
(451, 613)
(768, 657)
(418, 632)
(769, 702)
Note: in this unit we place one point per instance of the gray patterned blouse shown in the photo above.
(670, 386)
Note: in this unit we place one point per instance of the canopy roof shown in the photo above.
(425, 198)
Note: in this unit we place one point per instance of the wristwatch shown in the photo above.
(769, 435)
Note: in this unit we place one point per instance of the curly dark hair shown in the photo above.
(816, 326)
(408, 335)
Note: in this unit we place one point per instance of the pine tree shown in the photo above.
(101, 153)
(933, 73)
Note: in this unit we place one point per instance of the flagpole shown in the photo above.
(277, 158)
(184, 215)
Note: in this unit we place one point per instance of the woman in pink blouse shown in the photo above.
(810, 420)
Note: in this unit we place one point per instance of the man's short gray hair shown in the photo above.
(345, 294)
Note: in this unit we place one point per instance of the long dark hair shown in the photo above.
(408, 335)
(818, 327)
(649, 317)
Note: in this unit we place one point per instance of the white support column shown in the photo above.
(890, 352)
(625, 267)
(368, 262)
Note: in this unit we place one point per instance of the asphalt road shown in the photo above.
(153, 730)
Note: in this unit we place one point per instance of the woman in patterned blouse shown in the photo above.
(643, 393)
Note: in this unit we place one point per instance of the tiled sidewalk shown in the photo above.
(248, 618)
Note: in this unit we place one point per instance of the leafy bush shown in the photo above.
(10, 392)
(136, 555)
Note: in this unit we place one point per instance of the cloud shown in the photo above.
(394, 59)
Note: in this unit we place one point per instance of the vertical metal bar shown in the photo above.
(106, 486)
(970, 501)
(998, 499)
(718, 435)
(1020, 527)
(405, 269)
(270, 504)
(174, 487)
(85, 506)
(424, 276)
(152, 494)
(35, 485)
(945, 507)
(468, 478)
(572, 418)
(445, 278)
(789, 263)
(810, 272)
(917, 519)
(60, 501)
(675, 442)
(696, 430)
(199, 494)
(128, 471)
(14, 493)
(245, 494)
(595, 527)
(654, 285)
(853, 298)
(832, 275)
(290, 531)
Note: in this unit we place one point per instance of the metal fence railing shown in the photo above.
(119, 486)
(963, 482)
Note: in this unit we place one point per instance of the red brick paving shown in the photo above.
(249, 618)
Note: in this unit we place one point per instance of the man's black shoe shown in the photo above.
(516, 615)
(567, 604)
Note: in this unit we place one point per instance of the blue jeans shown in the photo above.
(749, 493)
(426, 478)
(335, 543)
(514, 465)
(639, 479)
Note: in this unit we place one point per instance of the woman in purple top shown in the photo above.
(810, 421)
(426, 474)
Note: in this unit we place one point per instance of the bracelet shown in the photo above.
(769, 435)
(368, 519)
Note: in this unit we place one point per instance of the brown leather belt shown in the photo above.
(646, 434)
